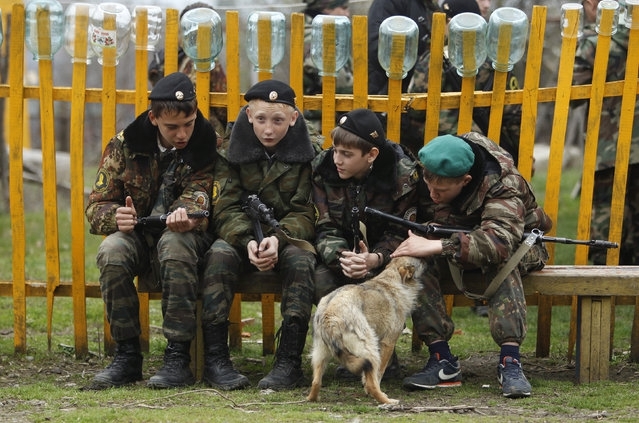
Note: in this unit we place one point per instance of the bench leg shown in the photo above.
(594, 338)
(268, 324)
(197, 345)
(235, 323)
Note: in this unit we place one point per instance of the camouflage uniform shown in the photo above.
(412, 131)
(607, 150)
(313, 80)
(391, 187)
(217, 115)
(132, 165)
(500, 206)
(283, 183)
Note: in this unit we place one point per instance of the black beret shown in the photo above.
(174, 87)
(366, 125)
(272, 91)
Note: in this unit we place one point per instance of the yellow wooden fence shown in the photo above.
(109, 96)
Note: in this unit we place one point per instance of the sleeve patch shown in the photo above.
(101, 181)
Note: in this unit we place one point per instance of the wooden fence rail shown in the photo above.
(394, 104)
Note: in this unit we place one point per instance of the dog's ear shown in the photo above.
(406, 272)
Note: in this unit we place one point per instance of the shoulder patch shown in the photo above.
(101, 181)
(215, 192)
(411, 214)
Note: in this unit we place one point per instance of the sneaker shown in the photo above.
(512, 380)
(436, 374)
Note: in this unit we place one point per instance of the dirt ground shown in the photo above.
(479, 370)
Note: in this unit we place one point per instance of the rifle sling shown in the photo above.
(503, 273)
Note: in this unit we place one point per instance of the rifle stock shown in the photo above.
(447, 231)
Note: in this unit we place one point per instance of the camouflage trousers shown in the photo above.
(600, 221)
(506, 316)
(123, 256)
(225, 263)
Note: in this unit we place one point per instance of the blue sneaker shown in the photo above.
(436, 374)
(512, 380)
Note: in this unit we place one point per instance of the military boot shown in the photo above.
(287, 371)
(218, 368)
(175, 371)
(125, 369)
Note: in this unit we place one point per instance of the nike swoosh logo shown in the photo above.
(444, 376)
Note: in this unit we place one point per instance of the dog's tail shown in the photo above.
(355, 345)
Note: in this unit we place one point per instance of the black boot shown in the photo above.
(218, 368)
(176, 371)
(125, 369)
(287, 370)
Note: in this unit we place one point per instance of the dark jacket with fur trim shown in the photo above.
(282, 183)
(391, 187)
(130, 165)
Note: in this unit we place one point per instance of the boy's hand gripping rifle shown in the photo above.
(447, 231)
(159, 221)
(259, 213)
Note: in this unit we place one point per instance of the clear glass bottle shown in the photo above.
(56, 27)
(500, 19)
(154, 26)
(389, 30)
(278, 39)
(110, 30)
(467, 43)
(342, 29)
(201, 31)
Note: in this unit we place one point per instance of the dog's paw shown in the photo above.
(390, 405)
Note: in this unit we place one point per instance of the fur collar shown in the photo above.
(244, 147)
(141, 137)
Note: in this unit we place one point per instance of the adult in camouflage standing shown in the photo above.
(361, 169)
(412, 131)
(312, 78)
(474, 184)
(163, 162)
(269, 155)
(607, 148)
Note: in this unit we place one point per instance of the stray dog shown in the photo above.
(359, 324)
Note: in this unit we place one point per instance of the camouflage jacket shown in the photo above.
(130, 165)
(282, 183)
(611, 110)
(390, 187)
(498, 205)
(448, 118)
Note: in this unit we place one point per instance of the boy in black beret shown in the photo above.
(269, 154)
(474, 184)
(361, 169)
(164, 162)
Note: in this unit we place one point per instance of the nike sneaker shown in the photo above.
(438, 373)
(512, 380)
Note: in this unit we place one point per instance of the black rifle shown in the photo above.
(159, 221)
(259, 213)
(447, 231)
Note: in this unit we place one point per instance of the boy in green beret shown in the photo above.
(474, 184)
(361, 169)
(269, 154)
(164, 162)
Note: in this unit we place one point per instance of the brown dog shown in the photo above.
(359, 324)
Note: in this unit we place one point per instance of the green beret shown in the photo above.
(174, 87)
(448, 156)
(366, 125)
(272, 91)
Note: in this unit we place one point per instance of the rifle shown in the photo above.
(259, 213)
(447, 231)
(159, 221)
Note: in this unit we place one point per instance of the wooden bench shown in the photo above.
(595, 287)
